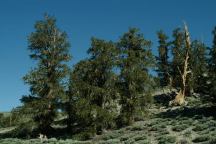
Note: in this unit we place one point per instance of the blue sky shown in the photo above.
(82, 19)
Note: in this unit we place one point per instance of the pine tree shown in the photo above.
(184, 69)
(212, 68)
(179, 49)
(93, 85)
(199, 66)
(135, 60)
(49, 47)
(212, 61)
(79, 107)
(178, 56)
(162, 60)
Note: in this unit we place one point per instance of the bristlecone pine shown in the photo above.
(180, 97)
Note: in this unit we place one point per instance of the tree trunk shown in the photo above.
(180, 97)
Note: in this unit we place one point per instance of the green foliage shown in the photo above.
(158, 127)
(162, 60)
(178, 50)
(183, 141)
(125, 137)
(85, 135)
(187, 133)
(212, 61)
(200, 127)
(92, 86)
(212, 140)
(212, 68)
(11, 141)
(110, 141)
(201, 139)
(24, 130)
(134, 80)
(198, 62)
(137, 128)
(140, 137)
(113, 86)
(129, 141)
(179, 128)
(166, 139)
(15, 117)
(142, 142)
(5, 121)
(111, 135)
(1, 118)
(37, 141)
(49, 47)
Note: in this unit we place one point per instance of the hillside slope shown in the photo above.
(194, 123)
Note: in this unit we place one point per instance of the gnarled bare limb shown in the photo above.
(180, 97)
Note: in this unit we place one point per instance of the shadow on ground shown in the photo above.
(163, 99)
(189, 112)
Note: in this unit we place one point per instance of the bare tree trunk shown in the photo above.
(180, 97)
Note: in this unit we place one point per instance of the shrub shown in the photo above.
(121, 131)
(137, 128)
(174, 123)
(129, 141)
(204, 132)
(163, 132)
(140, 137)
(126, 137)
(8, 141)
(111, 141)
(128, 128)
(25, 130)
(188, 121)
(213, 133)
(166, 139)
(212, 129)
(158, 127)
(111, 135)
(183, 141)
(83, 136)
(52, 140)
(211, 123)
(179, 128)
(200, 139)
(200, 127)
(142, 142)
(187, 133)
(156, 122)
(197, 117)
(212, 141)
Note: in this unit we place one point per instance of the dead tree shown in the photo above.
(180, 96)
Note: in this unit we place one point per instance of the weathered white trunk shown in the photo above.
(180, 97)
